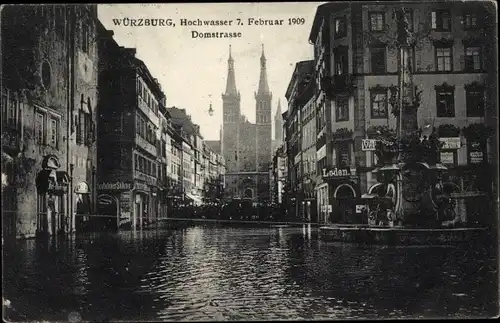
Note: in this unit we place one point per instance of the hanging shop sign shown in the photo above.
(450, 142)
(368, 144)
(116, 186)
(338, 172)
(82, 188)
(475, 151)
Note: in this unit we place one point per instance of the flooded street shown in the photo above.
(207, 272)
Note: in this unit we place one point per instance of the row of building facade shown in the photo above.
(339, 100)
(87, 137)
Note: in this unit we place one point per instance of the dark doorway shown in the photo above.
(107, 209)
(82, 218)
(346, 204)
(248, 193)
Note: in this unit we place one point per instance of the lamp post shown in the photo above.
(94, 190)
(70, 193)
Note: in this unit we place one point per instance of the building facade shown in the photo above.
(129, 136)
(278, 128)
(49, 108)
(298, 95)
(356, 64)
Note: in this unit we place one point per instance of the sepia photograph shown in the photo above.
(250, 161)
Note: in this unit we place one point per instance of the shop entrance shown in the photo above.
(107, 209)
(345, 200)
(248, 193)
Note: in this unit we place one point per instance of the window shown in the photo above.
(410, 59)
(409, 18)
(12, 113)
(340, 27)
(472, 59)
(343, 154)
(342, 108)
(378, 103)
(475, 101)
(377, 21)
(85, 37)
(341, 60)
(378, 60)
(469, 21)
(39, 128)
(445, 101)
(54, 132)
(441, 20)
(443, 59)
(136, 162)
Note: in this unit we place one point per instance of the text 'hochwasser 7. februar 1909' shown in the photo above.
(204, 25)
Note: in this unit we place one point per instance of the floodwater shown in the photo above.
(210, 272)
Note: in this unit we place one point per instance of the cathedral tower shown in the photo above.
(263, 122)
(231, 119)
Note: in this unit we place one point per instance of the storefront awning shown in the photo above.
(196, 199)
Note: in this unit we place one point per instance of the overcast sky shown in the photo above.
(190, 70)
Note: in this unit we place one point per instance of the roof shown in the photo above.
(153, 83)
(302, 68)
(213, 145)
(181, 119)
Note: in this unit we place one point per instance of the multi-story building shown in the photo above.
(199, 164)
(49, 108)
(308, 151)
(278, 128)
(356, 63)
(165, 161)
(298, 94)
(191, 156)
(175, 175)
(129, 135)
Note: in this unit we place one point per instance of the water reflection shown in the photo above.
(207, 272)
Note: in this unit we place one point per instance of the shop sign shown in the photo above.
(338, 172)
(475, 153)
(450, 142)
(142, 186)
(114, 186)
(124, 218)
(321, 153)
(368, 144)
(82, 188)
(447, 157)
(360, 208)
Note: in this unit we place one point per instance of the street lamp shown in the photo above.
(210, 110)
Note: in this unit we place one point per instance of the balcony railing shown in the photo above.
(338, 84)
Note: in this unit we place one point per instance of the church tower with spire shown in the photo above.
(263, 121)
(231, 119)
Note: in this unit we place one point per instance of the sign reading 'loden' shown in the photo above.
(338, 172)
